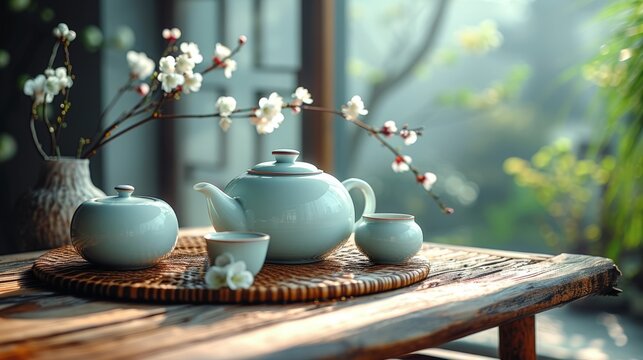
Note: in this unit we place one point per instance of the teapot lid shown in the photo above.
(284, 164)
(125, 197)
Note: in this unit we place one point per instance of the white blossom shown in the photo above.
(268, 117)
(238, 277)
(226, 105)
(184, 64)
(389, 128)
(301, 96)
(139, 64)
(171, 34)
(36, 89)
(52, 87)
(167, 64)
(62, 32)
(71, 36)
(216, 277)
(192, 82)
(54, 82)
(192, 51)
(222, 56)
(227, 272)
(64, 80)
(170, 81)
(229, 66)
(401, 164)
(354, 108)
(168, 77)
(409, 136)
(221, 52)
(427, 180)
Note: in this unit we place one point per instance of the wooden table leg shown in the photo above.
(518, 339)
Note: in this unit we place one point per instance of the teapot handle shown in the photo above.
(367, 191)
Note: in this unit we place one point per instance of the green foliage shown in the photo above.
(618, 71)
(566, 187)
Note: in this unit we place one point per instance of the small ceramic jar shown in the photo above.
(388, 238)
(124, 232)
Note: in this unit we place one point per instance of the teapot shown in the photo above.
(307, 213)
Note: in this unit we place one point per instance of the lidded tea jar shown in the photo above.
(124, 232)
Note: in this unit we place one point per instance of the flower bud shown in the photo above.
(143, 89)
(71, 36)
(242, 39)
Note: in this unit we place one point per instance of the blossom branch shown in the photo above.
(376, 133)
(66, 105)
(221, 63)
(176, 76)
(108, 137)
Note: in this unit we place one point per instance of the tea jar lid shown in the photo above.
(125, 197)
(285, 164)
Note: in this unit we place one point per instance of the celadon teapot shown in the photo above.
(307, 213)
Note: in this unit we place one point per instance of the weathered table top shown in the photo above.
(468, 290)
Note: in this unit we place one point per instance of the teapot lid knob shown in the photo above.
(285, 155)
(285, 164)
(124, 190)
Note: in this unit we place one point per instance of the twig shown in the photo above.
(54, 52)
(111, 104)
(375, 133)
(50, 131)
(34, 136)
(65, 103)
(91, 152)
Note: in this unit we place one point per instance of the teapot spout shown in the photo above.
(226, 213)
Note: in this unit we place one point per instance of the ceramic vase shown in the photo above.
(44, 213)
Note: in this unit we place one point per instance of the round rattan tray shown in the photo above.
(179, 278)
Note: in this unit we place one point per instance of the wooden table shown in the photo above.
(468, 290)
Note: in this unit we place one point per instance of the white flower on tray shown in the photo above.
(228, 273)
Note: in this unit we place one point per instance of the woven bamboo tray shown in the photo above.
(179, 278)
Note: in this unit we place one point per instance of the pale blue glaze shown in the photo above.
(388, 238)
(249, 247)
(307, 213)
(124, 232)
